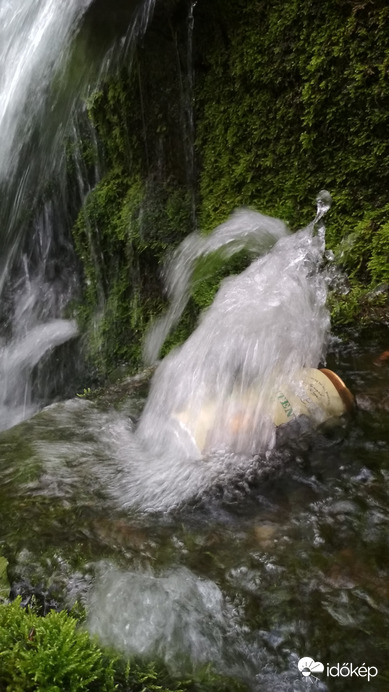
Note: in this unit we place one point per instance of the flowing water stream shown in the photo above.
(257, 570)
(248, 553)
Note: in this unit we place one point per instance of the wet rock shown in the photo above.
(265, 534)
(41, 599)
(364, 476)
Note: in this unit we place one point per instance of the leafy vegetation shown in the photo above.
(46, 653)
(54, 653)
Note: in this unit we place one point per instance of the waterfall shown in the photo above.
(35, 40)
(46, 70)
(35, 43)
(208, 423)
(244, 229)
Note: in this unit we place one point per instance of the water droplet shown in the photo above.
(323, 201)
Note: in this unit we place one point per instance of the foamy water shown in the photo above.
(263, 327)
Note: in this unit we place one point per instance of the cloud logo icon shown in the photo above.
(307, 666)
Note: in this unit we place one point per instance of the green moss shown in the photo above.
(292, 98)
(359, 305)
(298, 103)
(139, 210)
(47, 654)
(378, 263)
(54, 654)
(210, 271)
(122, 236)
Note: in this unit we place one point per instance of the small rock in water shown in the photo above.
(265, 534)
(364, 476)
(343, 507)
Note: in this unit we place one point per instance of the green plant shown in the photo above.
(47, 653)
(54, 653)
(85, 394)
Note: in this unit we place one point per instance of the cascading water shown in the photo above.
(264, 327)
(35, 44)
(245, 229)
(252, 339)
(35, 41)
(43, 79)
(222, 583)
(218, 581)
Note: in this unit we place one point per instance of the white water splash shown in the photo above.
(35, 44)
(245, 229)
(186, 621)
(17, 360)
(263, 327)
(173, 616)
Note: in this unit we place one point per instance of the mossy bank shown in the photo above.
(226, 104)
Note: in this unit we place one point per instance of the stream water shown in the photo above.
(286, 562)
(247, 561)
